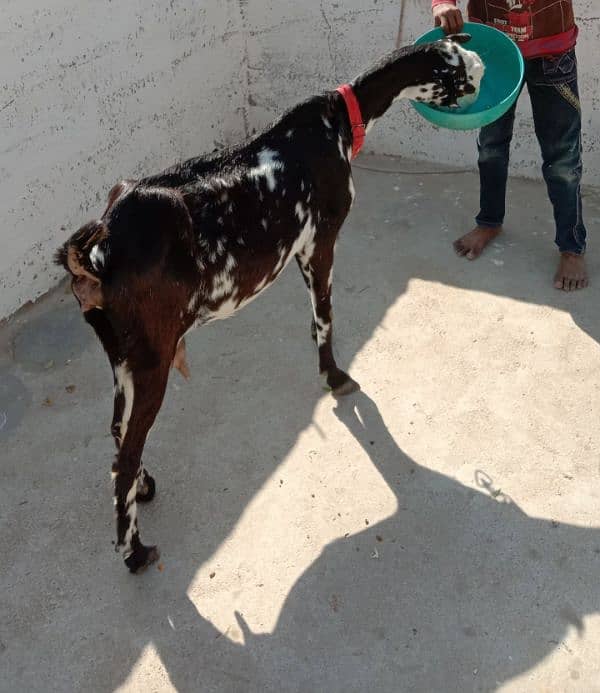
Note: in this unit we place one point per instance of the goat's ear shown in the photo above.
(117, 191)
(460, 38)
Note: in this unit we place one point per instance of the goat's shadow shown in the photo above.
(497, 594)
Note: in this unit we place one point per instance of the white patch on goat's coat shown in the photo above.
(323, 330)
(124, 385)
(131, 511)
(420, 92)
(289, 133)
(341, 148)
(475, 70)
(193, 302)
(222, 285)
(326, 122)
(300, 211)
(268, 164)
(225, 310)
(264, 224)
(96, 257)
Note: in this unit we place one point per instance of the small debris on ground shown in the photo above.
(70, 388)
(211, 576)
(374, 553)
(160, 567)
(47, 402)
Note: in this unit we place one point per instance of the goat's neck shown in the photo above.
(377, 88)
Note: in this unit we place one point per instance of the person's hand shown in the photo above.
(449, 17)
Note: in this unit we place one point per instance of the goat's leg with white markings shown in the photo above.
(316, 269)
(140, 393)
(106, 334)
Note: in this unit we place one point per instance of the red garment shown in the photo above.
(540, 27)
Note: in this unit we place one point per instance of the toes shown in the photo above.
(558, 282)
(460, 248)
(473, 254)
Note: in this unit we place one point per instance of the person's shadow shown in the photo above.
(457, 590)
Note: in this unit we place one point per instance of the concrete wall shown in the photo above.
(92, 92)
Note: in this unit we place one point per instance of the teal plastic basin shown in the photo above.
(500, 86)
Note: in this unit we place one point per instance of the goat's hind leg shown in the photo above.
(104, 330)
(316, 264)
(140, 388)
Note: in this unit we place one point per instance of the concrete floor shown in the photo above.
(439, 531)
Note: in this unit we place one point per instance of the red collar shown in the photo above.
(356, 121)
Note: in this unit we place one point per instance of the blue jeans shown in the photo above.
(552, 86)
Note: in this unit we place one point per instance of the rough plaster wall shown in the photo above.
(94, 91)
(91, 92)
(303, 48)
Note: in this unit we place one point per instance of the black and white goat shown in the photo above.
(205, 237)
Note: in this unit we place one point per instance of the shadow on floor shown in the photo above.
(498, 596)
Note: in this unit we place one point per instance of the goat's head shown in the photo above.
(454, 78)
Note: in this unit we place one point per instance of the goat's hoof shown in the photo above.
(141, 558)
(146, 490)
(341, 383)
(346, 388)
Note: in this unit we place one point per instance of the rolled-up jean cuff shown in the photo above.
(488, 224)
(572, 251)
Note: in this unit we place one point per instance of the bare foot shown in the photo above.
(471, 245)
(571, 273)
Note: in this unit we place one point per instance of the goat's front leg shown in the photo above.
(316, 265)
(138, 396)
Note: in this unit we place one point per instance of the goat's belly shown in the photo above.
(238, 298)
(232, 290)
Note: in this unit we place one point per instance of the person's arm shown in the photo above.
(447, 15)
